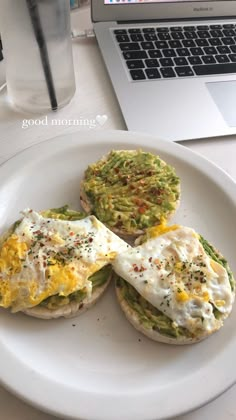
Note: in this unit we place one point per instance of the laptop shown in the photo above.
(172, 64)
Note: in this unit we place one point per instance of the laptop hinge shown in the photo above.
(129, 22)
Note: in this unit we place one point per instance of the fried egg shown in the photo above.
(173, 272)
(44, 257)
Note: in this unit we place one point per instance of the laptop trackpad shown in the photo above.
(224, 96)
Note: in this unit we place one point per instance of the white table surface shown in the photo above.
(95, 96)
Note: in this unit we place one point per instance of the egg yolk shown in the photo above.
(11, 255)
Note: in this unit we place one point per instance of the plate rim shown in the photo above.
(70, 139)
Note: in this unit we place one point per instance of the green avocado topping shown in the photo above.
(154, 319)
(149, 316)
(63, 213)
(131, 190)
(214, 255)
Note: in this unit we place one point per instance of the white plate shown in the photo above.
(97, 366)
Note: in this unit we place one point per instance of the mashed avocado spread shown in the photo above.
(150, 317)
(131, 190)
(63, 213)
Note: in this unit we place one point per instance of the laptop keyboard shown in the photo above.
(168, 52)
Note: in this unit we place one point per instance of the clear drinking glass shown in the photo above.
(36, 37)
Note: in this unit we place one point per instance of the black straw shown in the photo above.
(39, 35)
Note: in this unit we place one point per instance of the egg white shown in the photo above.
(173, 272)
(44, 257)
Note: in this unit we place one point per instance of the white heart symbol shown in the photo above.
(101, 119)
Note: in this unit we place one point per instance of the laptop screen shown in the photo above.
(144, 1)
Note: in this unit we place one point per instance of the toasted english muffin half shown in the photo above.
(129, 191)
(55, 263)
(175, 287)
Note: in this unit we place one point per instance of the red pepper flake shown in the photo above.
(150, 259)
(72, 233)
(90, 239)
(138, 202)
(138, 269)
(142, 209)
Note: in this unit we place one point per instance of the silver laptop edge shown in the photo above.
(186, 10)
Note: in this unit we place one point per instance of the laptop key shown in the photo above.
(120, 31)
(201, 42)
(161, 44)
(137, 74)
(215, 27)
(208, 59)
(131, 46)
(148, 30)
(134, 55)
(233, 48)
(148, 45)
(150, 37)
(194, 60)
(169, 52)
(135, 64)
(134, 30)
(190, 35)
(203, 34)
(223, 49)
(210, 50)
(164, 36)
(122, 38)
(216, 33)
(167, 72)
(196, 51)
(137, 37)
(182, 52)
(202, 28)
(188, 43)
(229, 32)
(166, 62)
(152, 62)
(177, 35)
(211, 69)
(184, 71)
(232, 57)
(228, 25)
(175, 44)
(155, 53)
(176, 28)
(228, 41)
(215, 42)
(222, 58)
(180, 61)
(189, 28)
(162, 29)
(152, 73)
